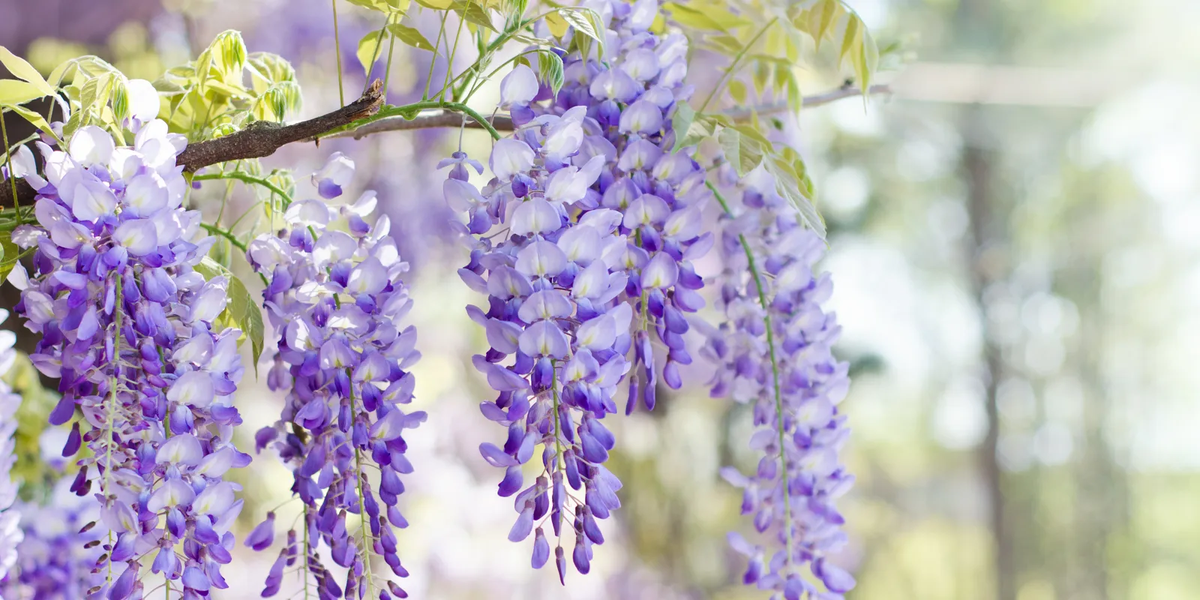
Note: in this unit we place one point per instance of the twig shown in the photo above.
(264, 139)
(504, 123)
(846, 91)
(428, 121)
(260, 139)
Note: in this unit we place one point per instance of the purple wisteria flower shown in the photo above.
(10, 530)
(127, 325)
(556, 324)
(336, 298)
(630, 99)
(774, 351)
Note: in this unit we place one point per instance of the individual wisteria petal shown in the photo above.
(127, 323)
(336, 301)
(794, 384)
(337, 173)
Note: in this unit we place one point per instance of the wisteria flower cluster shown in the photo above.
(336, 298)
(774, 352)
(126, 324)
(602, 223)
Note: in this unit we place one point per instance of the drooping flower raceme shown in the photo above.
(336, 298)
(773, 351)
(631, 98)
(557, 328)
(127, 325)
(10, 530)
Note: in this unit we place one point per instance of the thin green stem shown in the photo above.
(450, 60)
(736, 60)
(246, 178)
(410, 109)
(437, 43)
(12, 180)
(362, 506)
(558, 451)
(112, 404)
(387, 68)
(213, 229)
(337, 53)
(375, 53)
(779, 416)
(228, 193)
(469, 72)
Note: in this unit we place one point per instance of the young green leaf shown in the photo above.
(24, 71)
(681, 122)
(410, 36)
(550, 69)
(587, 22)
(35, 119)
(14, 92)
(9, 253)
(368, 50)
(242, 309)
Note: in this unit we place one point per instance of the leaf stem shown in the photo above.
(337, 53)
(246, 178)
(450, 60)
(437, 43)
(364, 527)
(779, 415)
(12, 180)
(736, 59)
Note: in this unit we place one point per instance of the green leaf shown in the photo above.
(9, 253)
(13, 92)
(229, 53)
(410, 36)
(24, 71)
(853, 37)
(368, 50)
(557, 25)
(710, 17)
(730, 141)
(36, 120)
(550, 69)
(473, 14)
(120, 100)
(377, 5)
(587, 22)
(242, 309)
(681, 122)
(436, 4)
(822, 18)
(792, 183)
(737, 91)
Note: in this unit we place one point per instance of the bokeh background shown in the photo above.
(1014, 234)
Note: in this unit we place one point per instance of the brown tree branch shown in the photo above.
(426, 121)
(259, 140)
(503, 123)
(263, 139)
